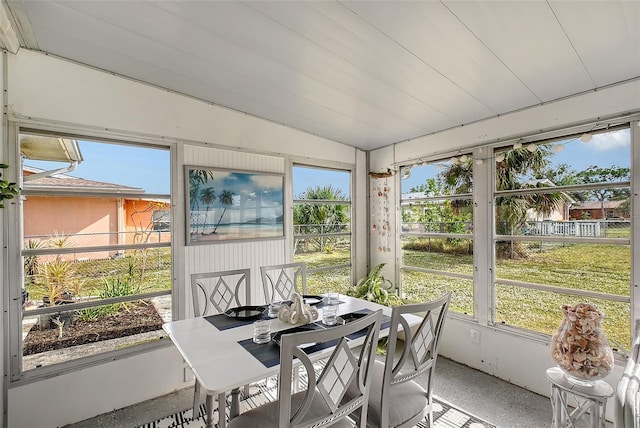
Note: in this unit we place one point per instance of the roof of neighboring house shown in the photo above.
(597, 205)
(69, 183)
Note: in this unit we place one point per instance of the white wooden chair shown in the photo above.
(280, 281)
(396, 400)
(215, 293)
(323, 403)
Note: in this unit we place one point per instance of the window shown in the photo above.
(322, 226)
(563, 231)
(436, 232)
(556, 225)
(96, 248)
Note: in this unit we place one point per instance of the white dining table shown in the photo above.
(221, 364)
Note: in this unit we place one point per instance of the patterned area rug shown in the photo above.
(444, 414)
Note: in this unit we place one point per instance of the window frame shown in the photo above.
(344, 168)
(495, 194)
(13, 307)
(437, 235)
(484, 218)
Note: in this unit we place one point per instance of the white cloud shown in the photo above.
(267, 182)
(609, 141)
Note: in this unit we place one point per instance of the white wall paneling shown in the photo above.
(3, 252)
(80, 395)
(44, 87)
(359, 200)
(238, 254)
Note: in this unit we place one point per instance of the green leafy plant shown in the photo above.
(114, 286)
(376, 288)
(56, 280)
(31, 263)
(8, 189)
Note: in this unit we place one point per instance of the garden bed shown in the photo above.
(136, 319)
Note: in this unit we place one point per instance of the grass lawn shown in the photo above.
(601, 268)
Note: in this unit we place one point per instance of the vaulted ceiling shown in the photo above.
(364, 73)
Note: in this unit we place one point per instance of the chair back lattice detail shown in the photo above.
(280, 281)
(341, 370)
(337, 375)
(422, 344)
(215, 292)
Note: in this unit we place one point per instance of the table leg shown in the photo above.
(555, 407)
(235, 403)
(209, 406)
(595, 416)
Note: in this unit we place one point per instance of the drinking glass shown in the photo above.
(333, 298)
(262, 331)
(274, 307)
(330, 314)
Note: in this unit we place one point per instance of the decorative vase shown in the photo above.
(579, 347)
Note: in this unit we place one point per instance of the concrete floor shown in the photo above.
(491, 399)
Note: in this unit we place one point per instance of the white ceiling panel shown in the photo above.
(530, 41)
(365, 73)
(404, 75)
(428, 31)
(606, 36)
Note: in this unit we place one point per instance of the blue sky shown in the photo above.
(304, 178)
(148, 168)
(604, 150)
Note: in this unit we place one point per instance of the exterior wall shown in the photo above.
(92, 221)
(90, 218)
(46, 90)
(596, 213)
(138, 217)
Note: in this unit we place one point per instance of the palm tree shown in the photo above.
(207, 197)
(197, 177)
(513, 173)
(321, 218)
(226, 199)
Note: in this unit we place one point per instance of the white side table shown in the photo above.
(592, 399)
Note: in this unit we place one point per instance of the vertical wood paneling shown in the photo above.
(238, 254)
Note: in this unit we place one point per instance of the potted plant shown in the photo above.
(376, 288)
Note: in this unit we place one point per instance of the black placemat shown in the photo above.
(224, 322)
(384, 323)
(324, 303)
(269, 353)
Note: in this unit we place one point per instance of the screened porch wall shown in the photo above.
(510, 355)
